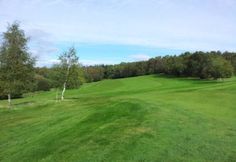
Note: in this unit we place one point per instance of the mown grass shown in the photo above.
(147, 118)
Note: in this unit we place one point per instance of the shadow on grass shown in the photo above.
(192, 79)
(23, 103)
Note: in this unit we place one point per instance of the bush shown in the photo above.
(42, 84)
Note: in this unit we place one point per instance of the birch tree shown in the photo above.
(16, 63)
(67, 60)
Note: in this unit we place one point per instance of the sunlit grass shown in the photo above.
(148, 118)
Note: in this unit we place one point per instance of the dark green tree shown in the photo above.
(16, 63)
(219, 68)
(231, 57)
(94, 73)
(42, 83)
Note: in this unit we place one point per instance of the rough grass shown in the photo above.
(148, 118)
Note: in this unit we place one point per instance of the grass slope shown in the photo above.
(147, 118)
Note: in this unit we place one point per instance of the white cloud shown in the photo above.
(139, 57)
(42, 46)
(47, 62)
(87, 62)
(185, 24)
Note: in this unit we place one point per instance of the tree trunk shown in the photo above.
(64, 85)
(9, 100)
(63, 91)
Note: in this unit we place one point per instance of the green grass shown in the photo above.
(147, 118)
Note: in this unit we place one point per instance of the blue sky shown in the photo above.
(112, 31)
(92, 53)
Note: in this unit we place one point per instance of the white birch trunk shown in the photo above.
(63, 91)
(64, 85)
(9, 100)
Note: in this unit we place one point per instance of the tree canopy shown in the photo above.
(16, 63)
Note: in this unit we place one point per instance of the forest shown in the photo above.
(18, 73)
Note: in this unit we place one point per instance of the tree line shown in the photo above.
(203, 65)
(18, 73)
